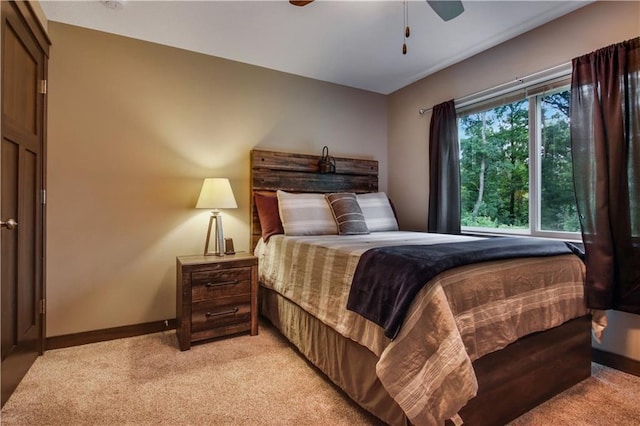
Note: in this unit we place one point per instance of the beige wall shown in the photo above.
(134, 127)
(580, 32)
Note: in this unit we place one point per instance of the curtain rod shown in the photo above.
(544, 75)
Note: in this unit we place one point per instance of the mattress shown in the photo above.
(463, 314)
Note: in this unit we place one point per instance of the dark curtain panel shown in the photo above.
(444, 170)
(605, 143)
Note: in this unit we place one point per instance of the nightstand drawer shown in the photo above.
(214, 284)
(210, 315)
(221, 331)
(214, 276)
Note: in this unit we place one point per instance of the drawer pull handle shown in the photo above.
(219, 314)
(211, 285)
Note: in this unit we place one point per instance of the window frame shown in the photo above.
(533, 94)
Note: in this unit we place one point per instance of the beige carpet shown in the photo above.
(258, 380)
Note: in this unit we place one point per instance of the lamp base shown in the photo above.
(218, 235)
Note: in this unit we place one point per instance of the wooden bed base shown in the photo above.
(511, 381)
(528, 372)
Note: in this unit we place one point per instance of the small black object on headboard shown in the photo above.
(326, 164)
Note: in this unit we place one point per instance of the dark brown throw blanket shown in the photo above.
(387, 279)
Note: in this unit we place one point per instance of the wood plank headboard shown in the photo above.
(271, 170)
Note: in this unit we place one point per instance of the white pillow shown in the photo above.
(377, 212)
(305, 214)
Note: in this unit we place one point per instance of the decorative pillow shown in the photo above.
(305, 214)
(377, 212)
(268, 214)
(347, 214)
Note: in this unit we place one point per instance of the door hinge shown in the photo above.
(43, 307)
(43, 196)
(43, 87)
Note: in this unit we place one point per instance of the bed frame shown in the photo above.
(511, 381)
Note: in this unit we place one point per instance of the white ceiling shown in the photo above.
(353, 43)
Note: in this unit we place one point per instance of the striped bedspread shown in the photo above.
(466, 313)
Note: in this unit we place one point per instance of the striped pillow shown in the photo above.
(377, 212)
(346, 211)
(305, 214)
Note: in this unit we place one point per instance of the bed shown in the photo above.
(470, 380)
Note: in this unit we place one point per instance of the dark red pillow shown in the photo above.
(267, 206)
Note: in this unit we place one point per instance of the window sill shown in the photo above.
(564, 236)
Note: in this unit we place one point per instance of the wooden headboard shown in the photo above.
(272, 170)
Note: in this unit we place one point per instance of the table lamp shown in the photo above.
(215, 194)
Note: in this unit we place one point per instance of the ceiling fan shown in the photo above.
(445, 9)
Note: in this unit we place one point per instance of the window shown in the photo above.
(506, 189)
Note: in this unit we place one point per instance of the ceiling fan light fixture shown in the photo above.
(445, 9)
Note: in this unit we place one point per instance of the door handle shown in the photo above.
(9, 224)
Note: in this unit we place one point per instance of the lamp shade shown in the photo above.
(216, 193)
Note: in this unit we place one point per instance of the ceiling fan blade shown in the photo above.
(300, 3)
(446, 9)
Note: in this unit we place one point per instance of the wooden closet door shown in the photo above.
(21, 182)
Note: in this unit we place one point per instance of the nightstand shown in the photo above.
(216, 296)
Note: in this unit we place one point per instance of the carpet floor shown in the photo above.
(245, 380)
